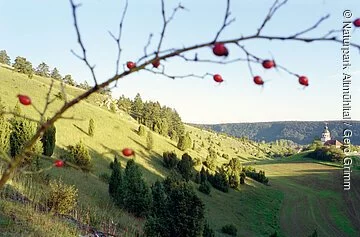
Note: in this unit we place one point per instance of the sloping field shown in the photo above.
(314, 199)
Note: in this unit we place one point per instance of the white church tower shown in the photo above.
(325, 136)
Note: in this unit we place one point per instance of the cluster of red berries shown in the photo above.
(219, 49)
(130, 65)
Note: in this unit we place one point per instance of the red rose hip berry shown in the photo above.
(303, 80)
(59, 163)
(130, 65)
(357, 22)
(218, 78)
(24, 99)
(156, 63)
(258, 80)
(219, 49)
(268, 64)
(128, 152)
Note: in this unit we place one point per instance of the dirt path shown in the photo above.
(314, 199)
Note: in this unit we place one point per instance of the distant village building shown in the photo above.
(326, 138)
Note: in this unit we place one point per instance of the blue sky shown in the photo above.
(43, 31)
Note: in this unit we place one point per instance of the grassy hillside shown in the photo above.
(115, 131)
(255, 209)
(301, 132)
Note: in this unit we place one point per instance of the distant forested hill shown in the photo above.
(301, 132)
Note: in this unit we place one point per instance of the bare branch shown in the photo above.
(276, 6)
(331, 32)
(226, 22)
(118, 39)
(196, 59)
(155, 54)
(251, 58)
(19, 115)
(67, 163)
(148, 44)
(312, 27)
(71, 118)
(83, 57)
(23, 171)
(48, 101)
(249, 55)
(37, 110)
(178, 76)
(166, 22)
(4, 156)
(248, 58)
(63, 91)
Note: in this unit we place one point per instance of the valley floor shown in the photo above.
(314, 199)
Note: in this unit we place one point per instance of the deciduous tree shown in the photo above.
(23, 66)
(4, 57)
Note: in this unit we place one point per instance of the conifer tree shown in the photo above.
(48, 140)
(91, 129)
(149, 141)
(141, 131)
(116, 185)
(184, 142)
(185, 166)
(137, 197)
(55, 74)
(21, 132)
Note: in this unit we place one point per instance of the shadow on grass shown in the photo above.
(152, 169)
(313, 171)
(82, 130)
(134, 130)
(138, 143)
(171, 144)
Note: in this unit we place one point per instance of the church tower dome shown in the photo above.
(325, 136)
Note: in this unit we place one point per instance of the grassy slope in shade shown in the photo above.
(302, 195)
(19, 220)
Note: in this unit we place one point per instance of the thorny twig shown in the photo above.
(163, 73)
(48, 101)
(147, 44)
(118, 39)
(166, 22)
(226, 22)
(84, 56)
(62, 85)
(276, 6)
(312, 27)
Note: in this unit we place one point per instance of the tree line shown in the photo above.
(160, 119)
(22, 65)
(229, 175)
